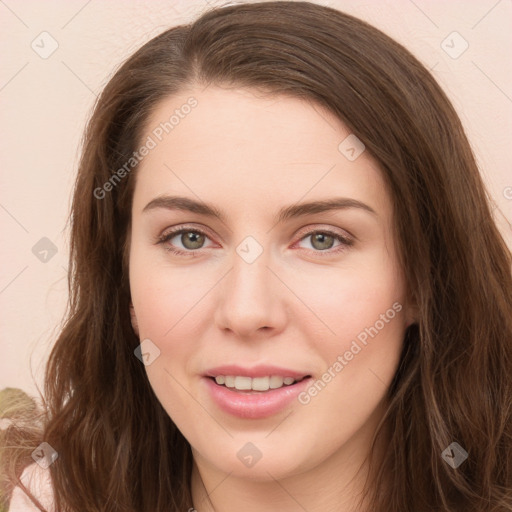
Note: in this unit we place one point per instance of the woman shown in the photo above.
(287, 292)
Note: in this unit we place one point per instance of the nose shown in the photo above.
(251, 299)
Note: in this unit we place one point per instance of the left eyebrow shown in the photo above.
(337, 203)
(288, 212)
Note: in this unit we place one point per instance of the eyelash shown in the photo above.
(345, 242)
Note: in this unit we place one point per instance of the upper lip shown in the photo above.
(255, 371)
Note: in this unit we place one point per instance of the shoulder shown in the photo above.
(38, 482)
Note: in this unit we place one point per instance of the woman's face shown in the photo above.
(297, 276)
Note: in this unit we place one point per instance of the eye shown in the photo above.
(324, 240)
(190, 239)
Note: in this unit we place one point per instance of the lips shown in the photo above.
(252, 404)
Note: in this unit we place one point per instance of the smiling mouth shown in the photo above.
(256, 385)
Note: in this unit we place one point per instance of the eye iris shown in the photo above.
(322, 237)
(192, 237)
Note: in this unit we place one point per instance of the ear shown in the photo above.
(412, 312)
(133, 318)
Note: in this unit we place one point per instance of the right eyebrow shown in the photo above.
(185, 204)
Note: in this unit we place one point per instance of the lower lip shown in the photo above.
(254, 405)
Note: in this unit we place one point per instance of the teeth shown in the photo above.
(276, 382)
(260, 383)
(257, 384)
(243, 383)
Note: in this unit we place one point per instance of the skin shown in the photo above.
(296, 305)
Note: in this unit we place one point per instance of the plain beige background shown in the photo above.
(46, 99)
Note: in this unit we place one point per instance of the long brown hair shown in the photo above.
(118, 448)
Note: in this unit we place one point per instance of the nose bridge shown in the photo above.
(250, 280)
(248, 298)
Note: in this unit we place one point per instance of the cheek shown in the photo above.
(368, 354)
(167, 303)
(355, 382)
(166, 298)
(167, 318)
(359, 364)
(354, 297)
(171, 306)
(363, 315)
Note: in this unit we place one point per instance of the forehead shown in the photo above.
(237, 140)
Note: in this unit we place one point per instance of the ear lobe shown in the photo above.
(133, 318)
(412, 312)
(411, 318)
